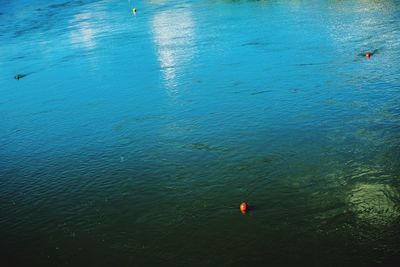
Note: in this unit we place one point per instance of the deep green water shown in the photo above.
(133, 139)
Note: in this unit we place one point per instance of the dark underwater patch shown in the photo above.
(65, 4)
(261, 92)
(308, 64)
(206, 147)
(255, 44)
(17, 57)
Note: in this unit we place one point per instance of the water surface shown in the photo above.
(132, 139)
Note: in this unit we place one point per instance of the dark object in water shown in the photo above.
(20, 76)
(368, 54)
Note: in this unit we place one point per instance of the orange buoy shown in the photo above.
(243, 207)
(368, 55)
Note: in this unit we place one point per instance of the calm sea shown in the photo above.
(131, 140)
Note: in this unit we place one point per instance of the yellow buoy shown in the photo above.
(134, 10)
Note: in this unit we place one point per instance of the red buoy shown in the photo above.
(243, 207)
(368, 55)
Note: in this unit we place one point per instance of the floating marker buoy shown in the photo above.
(134, 10)
(243, 207)
(368, 55)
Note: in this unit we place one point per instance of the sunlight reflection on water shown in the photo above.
(174, 37)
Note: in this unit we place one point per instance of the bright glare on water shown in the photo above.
(131, 139)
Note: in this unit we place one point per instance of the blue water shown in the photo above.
(131, 140)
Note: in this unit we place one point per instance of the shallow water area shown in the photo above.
(132, 139)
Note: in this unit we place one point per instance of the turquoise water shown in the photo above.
(133, 139)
